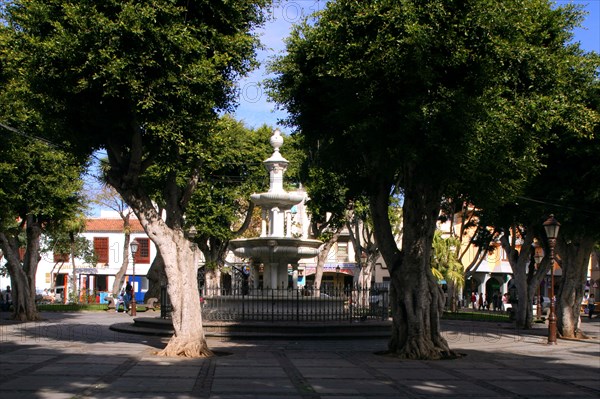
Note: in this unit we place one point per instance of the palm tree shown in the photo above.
(446, 266)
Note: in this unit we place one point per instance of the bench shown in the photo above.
(110, 305)
(151, 304)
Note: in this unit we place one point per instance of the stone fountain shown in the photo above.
(276, 248)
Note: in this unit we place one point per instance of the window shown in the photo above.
(143, 253)
(342, 252)
(101, 249)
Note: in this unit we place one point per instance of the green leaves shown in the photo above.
(231, 170)
(450, 92)
(444, 262)
(38, 180)
(106, 66)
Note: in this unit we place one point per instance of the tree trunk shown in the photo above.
(321, 260)
(416, 299)
(75, 292)
(188, 339)
(156, 277)
(214, 251)
(120, 276)
(362, 285)
(22, 277)
(212, 280)
(316, 288)
(451, 296)
(168, 235)
(574, 255)
(519, 261)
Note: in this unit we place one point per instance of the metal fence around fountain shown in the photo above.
(300, 305)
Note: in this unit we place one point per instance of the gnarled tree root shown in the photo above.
(193, 348)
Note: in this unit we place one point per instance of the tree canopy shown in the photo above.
(146, 82)
(430, 88)
(429, 99)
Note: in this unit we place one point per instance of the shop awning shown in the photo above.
(345, 268)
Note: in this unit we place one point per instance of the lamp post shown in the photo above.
(551, 226)
(538, 259)
(134, 248)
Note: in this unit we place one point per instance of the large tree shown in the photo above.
(426, 99)
(565, 186)
(568, 187)
(39, 189)
(145, 81)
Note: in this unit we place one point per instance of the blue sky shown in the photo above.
(254, 108)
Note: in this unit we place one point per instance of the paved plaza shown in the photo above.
(75, 355)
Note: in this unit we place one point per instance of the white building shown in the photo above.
(107, 236)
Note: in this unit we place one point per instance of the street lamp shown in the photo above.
(134, 248)
(538, 256)
(551, 226)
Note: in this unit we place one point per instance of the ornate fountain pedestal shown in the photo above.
(275, 254)
(275, 249)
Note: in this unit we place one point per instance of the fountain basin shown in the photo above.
(275, 249)
(282, 200)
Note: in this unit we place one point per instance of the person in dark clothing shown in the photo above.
(128, 295)
(6, 299)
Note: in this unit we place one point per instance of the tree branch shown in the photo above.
(247, 221)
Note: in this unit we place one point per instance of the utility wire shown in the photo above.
(558, 205)
(29, 136)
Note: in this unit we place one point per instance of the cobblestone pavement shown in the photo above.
(75, 355)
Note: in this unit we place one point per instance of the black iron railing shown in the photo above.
(273, 305)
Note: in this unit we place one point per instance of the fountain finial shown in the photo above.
(276, 140)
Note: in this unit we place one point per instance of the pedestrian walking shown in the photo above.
(128, 295)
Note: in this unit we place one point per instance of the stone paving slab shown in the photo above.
(76, 356)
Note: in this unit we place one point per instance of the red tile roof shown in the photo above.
(112, 225)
